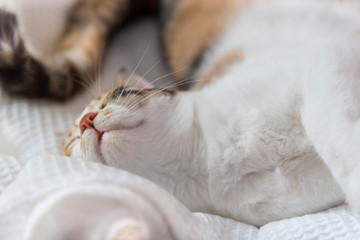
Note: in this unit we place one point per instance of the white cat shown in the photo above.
(271, 129)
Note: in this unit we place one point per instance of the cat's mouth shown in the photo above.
(87, 123)
(94, 141)
(100, 133)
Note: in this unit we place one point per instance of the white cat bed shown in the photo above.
(43, 194)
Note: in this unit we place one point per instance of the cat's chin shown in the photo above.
(94, 145)
(91, 146)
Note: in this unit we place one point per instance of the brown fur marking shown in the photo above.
(106, 111)
(96, 103)
(89, 23)
(196, 23)
(219, 68)
(67, 150)
(93, 105)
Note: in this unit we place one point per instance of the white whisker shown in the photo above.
(151, 68)
(152, 82)
(131, 107)
(142, 57)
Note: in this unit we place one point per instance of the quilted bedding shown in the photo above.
(43, 194)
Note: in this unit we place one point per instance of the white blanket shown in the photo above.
(46, 196)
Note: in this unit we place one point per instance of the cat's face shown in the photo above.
(152, 133)
(126, 127)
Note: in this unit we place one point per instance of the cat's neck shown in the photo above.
(200, 125)
(180, 168)
(191, 134)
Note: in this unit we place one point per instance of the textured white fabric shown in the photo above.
(337, 223)
(36, 197)
(9, 168)
(37, 184)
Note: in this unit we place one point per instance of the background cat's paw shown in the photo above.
(21, 73)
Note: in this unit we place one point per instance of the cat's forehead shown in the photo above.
(128, 95)
(99, 102)
(123, 92)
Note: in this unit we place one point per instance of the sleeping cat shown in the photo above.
(269, 130)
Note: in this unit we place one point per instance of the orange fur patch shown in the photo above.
(196, 23)
(106, 111)
(86, 33)
(67, 149)
(219, 68)
(130, 233)
(96, 103)
(93, 105)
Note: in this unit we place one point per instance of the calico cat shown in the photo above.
(50, 49)
(270, 129)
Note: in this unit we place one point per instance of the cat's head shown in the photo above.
(150, 132)
(132, 127)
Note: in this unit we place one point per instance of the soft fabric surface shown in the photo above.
(43, 195)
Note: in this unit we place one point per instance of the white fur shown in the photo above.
(273, 138)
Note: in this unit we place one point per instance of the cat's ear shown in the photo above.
(125, 78)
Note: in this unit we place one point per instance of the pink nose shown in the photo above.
(87, 122)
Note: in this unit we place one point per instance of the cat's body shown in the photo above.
(272, 129)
